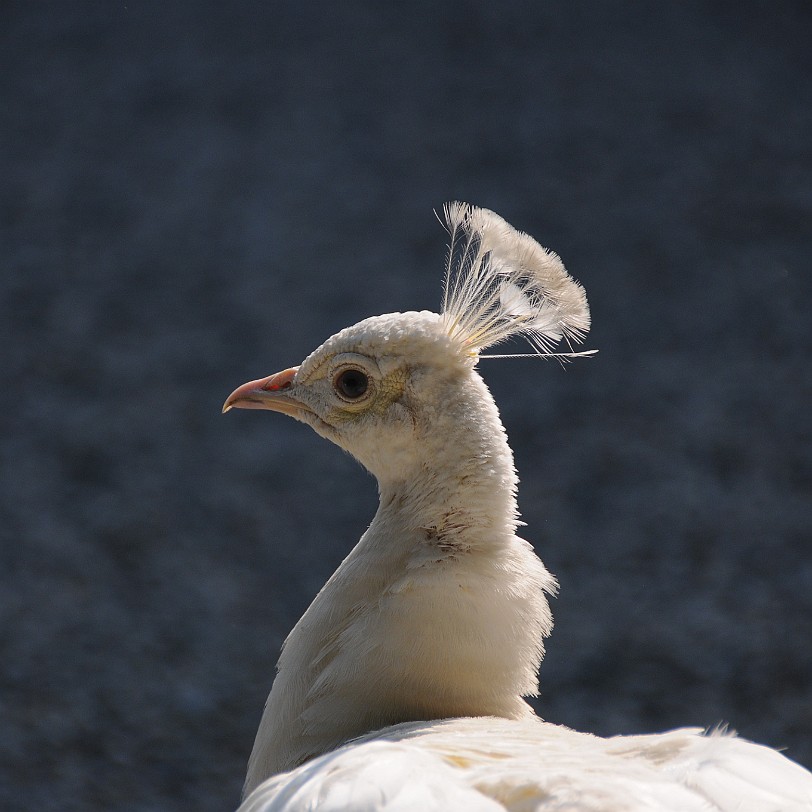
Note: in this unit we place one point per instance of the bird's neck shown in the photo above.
(458, 494)
(438, 611)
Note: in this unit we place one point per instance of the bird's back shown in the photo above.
(492, 764)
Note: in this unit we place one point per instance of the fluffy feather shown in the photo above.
(501, 283)
(494, 765)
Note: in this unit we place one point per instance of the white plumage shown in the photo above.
(401, 686)
(500, 282)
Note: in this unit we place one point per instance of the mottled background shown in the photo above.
(194, 194)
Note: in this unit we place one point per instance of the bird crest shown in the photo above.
(500, 283)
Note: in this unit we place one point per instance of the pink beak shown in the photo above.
(267, 393)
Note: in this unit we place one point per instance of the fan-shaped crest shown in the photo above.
(500, 282)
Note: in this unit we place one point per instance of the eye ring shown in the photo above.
(351, 384)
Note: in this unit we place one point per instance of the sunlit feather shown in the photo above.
(501, 283)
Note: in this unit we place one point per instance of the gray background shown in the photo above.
(194, 194)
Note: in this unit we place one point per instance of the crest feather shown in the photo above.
(501, 283)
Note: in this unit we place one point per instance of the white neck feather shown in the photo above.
(438, 611)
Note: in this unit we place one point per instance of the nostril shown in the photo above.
(274, 385)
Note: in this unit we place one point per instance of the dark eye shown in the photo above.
(351, 384)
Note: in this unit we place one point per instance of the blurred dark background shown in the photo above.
(195, 194)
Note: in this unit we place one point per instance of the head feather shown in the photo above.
(501, 283)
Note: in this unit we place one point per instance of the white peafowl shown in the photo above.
(401, 688)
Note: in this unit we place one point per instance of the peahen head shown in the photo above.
(383, 387)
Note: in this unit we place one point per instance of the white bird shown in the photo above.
(401, 687)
